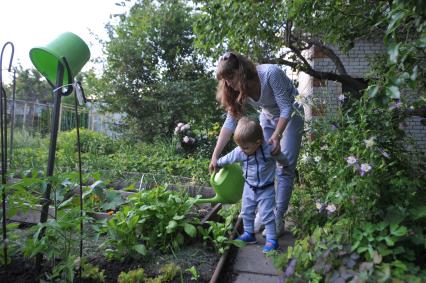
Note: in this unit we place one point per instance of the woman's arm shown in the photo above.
(276, 136)
(224, 137)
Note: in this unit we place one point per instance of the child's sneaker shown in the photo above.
(271, 245)
(247, 238)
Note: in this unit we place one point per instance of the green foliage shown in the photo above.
(11, 242)
(90, 271)
(253, 28)
(217, 233)
(360, 201)
(132, 276)
(61, 238)
(153, 74)
(152, 219)
(194, 273)
(100, 152)
(30, 85)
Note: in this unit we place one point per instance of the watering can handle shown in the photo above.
(212, 177)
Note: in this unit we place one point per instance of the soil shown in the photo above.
(203, 259)
(194, 253)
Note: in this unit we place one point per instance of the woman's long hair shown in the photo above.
(233, 65)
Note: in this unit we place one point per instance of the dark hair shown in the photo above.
(247, 131)
(232, 64)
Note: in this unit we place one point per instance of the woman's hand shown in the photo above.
(275, 141)
(213, 165)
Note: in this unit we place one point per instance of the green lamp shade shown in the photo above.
(68, 45)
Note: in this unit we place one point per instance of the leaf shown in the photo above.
(389, 241)
(400, 231)
(190, 230)
(238, 243)
(372, 90)
(171, 226)
(140, 249)
(393, 92)
(419, 212)
(113, 200)
(393, 52)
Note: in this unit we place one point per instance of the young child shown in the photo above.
(259, 173)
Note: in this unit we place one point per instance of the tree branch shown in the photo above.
(305, 67)
(330, 54)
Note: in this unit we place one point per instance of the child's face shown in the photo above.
(250, 147)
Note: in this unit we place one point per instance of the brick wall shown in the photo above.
(357, 65)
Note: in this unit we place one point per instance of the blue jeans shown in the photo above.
(290, 146)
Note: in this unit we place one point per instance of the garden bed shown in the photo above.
(195, 259)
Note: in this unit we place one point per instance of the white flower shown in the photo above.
(331, 208)
(305, 158)
(185, 127)
(317, 158)
(186, 139)
(365, 167)
(177, 129)
(324, 147)
(318, 205)
(370, 142)
(351, 160)
(180, 125)
(341, 98)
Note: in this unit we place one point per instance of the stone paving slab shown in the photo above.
(251, 259)
(250, 277)
(251, 263)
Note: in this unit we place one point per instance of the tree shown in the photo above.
(279, 31)
(152, 72)
(30, 86)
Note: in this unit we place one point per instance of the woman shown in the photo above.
(267, 87)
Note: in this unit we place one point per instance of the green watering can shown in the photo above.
(228, 184)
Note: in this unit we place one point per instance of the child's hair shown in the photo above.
(248, 131)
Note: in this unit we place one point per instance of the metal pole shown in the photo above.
(12, 122)
(52, 151)
(4, 149)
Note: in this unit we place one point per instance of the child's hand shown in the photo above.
(213, 165)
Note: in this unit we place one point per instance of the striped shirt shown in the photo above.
(276, 95)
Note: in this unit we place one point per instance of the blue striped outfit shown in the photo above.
(277, 100)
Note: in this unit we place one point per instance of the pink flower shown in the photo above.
(186, 139)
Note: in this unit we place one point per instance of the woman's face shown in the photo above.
(233, 83)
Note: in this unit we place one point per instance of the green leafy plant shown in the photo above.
(152, 219)
(194, 273)
(218, 233)
(60, 240)
(132, 276)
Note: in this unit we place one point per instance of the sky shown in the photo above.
(31, 23)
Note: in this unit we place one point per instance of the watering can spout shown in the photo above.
(214, 199)
(228, 185)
